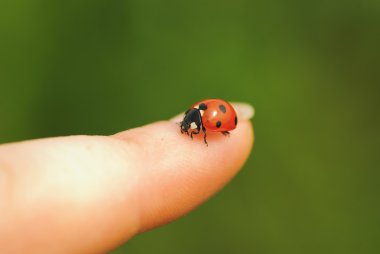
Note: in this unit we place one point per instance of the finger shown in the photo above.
(93, 193)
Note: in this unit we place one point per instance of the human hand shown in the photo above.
(90, 194)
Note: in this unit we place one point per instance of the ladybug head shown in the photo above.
(185, 126)
(192, 119)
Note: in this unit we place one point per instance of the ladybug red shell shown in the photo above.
(214, 115)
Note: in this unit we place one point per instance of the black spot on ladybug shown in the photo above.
(202, 106)
(235, 120)
(222, 108)
(218, 124)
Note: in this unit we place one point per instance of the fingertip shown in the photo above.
(176, 173)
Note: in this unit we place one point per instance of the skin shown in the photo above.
(90, 194)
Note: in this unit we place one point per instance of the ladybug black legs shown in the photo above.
(226, 133)
(204, 137)
(194, 132)
(185, 131)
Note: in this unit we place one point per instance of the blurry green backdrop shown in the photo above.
(311, 69)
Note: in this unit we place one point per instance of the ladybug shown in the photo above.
(214, 115)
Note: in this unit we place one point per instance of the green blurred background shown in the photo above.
(311, 69)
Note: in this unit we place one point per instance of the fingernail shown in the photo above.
(244, 111)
